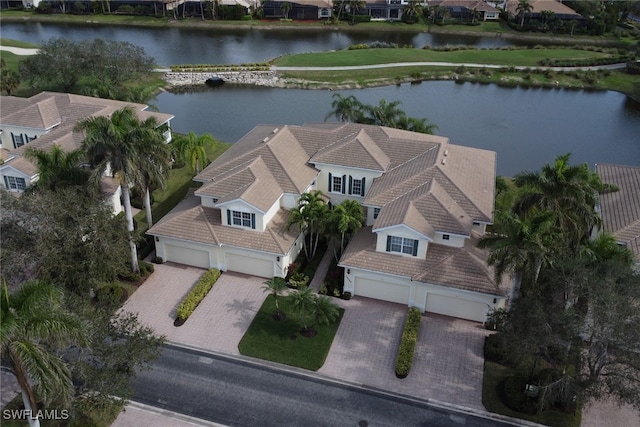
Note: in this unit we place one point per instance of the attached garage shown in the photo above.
(382, 290)
(187, 256)
(457, 307)
(249, 265)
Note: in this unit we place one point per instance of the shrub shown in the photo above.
(197, 294)
(515, 398)
(157, 260)
(299, 280)
(111, 295)
(346, 295)
(125, 9)
(146, 267)
(494, 350)
(404, 359)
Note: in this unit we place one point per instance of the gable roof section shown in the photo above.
(460, 268)
(478, 5)
(620, 210)
(193, 222)
(43, 115)
(21, 165)
(540, 5)
(357, 152)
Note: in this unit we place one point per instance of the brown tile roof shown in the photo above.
(541, 5)
(23, 165)
(357, 152)
(620, 210)
(190, 221)
(462, 268)
(478, 5)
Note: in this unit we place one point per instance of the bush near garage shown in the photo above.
(404, 359)
(197, 294)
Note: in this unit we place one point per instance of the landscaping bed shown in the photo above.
(281, 341)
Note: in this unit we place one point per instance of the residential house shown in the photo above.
(464, 9)
(298, 9)
(560, 10)
(620, 210)
(427, 201)
(47, 119)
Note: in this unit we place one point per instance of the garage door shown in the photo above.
(382, 290)
(457, 307)
(187, 256)
(254, 266)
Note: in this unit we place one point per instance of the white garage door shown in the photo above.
(187, 256)
(457, 307)
(254, 266)
(382, 290)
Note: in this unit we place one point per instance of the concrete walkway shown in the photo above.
(19, 50)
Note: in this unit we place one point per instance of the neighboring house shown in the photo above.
(620, 210)
(47, 119)
(560, 10)
(298, 9)
(463, 9)
(426, 203)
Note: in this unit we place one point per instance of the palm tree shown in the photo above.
(475, 14)
(324, 311)
(310, 218)
(286, 7)
(523, 8)
(354, 7)
(413, 9)
(444, 14)
(113, 147)
(435, 12)
(154, 162)
(193, 149)
(414, 124)
(385, 114)
(346, 109)
(303, 301)
(570, 193)
(35, 325)
(342, 2)
(346, 218)
(275, 285)
(58, 168)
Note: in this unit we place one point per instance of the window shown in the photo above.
(376, 212)
(324, 13)
(18, 140)
(214, 199)
(241, 219)
(402, 245)
(445, 237)
(13, 183)
(356, 186)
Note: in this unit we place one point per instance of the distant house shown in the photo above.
(47, 119)
(620, 210)
(560, 10)
(427, 201)
(464, 9)
(298, 9)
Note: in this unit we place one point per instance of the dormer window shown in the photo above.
(402, 245)
(13, 183)
(445, 237)
(241, 219)
(18, 140)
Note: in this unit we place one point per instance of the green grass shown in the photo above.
(17, 43)
(176, 188)
(494, 374)
(270, 339)
(519, 57)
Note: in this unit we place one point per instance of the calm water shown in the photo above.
(527, 127)
(171, 46)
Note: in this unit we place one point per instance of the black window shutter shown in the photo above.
(253, 221)
(330, 189)
(6, 183)
(362, 188)
(415, 247)
(388, 243)
(228, 217)
(350, 183)
(344, 181)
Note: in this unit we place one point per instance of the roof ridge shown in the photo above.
(473, 203)
(286, 172)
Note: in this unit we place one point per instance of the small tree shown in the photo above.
(276, 286)
(286, 7)
(303, 301)
(192, 149)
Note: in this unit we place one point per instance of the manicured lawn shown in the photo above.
(270, 339)
(494, 375)
(522, 57)
(17, 43)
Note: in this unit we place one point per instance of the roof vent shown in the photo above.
(446, 152)
(266, 139)
(275, 130)
(444, 161)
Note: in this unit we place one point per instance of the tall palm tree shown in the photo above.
(413, 9)
(354, 7)
(58, 168)
(286, 8)
(275, 285)
(193, 149)
(35, 325)
(346, 219)
(154, 161)
(522, 9)
(569, 192)
(414, 124)
(385, 113)
(310, 218)
(113, 145)
(346, 109)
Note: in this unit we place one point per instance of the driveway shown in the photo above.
(447, 366)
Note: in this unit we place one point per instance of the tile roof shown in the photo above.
(540, 5)
(462, 268)
(357, 152)
(620, 210)
(193, 222)
(479, 5)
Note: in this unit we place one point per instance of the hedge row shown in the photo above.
(197, 294)
(408, 342)
(584, 62)
(219, 66)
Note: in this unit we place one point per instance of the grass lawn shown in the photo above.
(494, 374)
(521, 57)
(270, 339)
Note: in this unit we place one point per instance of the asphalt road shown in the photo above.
(239, 393)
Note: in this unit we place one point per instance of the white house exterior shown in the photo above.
(427, 201)
(47, 119)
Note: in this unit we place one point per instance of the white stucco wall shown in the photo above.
(7, 170)
(7, 130)
(322, 182)
(405, 232)
(455, 240)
